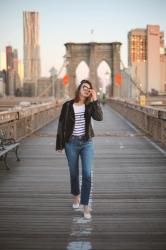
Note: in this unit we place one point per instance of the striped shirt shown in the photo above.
(79, 126)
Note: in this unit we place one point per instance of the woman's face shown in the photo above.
(85, 90)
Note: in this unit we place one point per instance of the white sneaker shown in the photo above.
(87, 214)
(76, 205)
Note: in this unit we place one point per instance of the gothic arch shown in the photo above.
(104, 76)
(93, 54)
(82, 71)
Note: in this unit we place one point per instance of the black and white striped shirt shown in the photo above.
(79, 126)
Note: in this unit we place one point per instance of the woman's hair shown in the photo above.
(77, 93)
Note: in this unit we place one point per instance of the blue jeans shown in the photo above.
(75, 148)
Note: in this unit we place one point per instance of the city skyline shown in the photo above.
(77, 21)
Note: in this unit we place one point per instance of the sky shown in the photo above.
(63, 21)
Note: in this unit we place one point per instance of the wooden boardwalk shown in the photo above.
(128, 195)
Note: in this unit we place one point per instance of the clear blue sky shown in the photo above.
(64, 21)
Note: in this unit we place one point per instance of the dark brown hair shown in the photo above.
(77, 93)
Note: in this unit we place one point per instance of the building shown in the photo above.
(15, 60)
(21, 71)
(2, 82)
(146, 58)
(13, 82)
(2, 61)
(165, 69)
(32, 68)
(29, 88)
(9, 87)
(9, 58)
(44, 87)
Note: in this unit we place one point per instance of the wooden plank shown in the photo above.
(128, 194)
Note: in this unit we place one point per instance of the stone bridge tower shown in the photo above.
(92, 54)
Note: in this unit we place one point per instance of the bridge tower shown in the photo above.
(92, 54)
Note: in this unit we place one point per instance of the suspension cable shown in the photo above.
(55, 79)
(135, 83)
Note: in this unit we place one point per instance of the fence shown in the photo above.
(149, 119)
(21, 123)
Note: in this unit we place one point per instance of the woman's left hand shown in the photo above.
(93, 94)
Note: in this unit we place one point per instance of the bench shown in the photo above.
(7, 145)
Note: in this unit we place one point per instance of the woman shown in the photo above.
(75, 134)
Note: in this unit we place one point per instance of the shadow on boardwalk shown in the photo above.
(128, 195)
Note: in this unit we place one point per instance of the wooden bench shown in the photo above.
(7, 145)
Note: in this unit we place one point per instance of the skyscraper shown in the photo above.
(32, 69)
(15, 60)
(2, 60)
(9, 58)
(146, 57)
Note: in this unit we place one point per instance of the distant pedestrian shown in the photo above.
(75, 134)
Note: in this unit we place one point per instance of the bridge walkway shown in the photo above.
(128, 193)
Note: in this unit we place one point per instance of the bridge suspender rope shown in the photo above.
(135, 83)
(59, 72)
